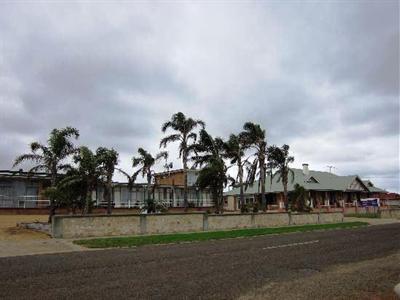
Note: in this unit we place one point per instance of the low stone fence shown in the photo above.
(360, 210)
(390, 214)
(118, 225)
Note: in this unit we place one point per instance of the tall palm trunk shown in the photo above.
(262, 181)
(185, 175)
(285, 193)
(87, 202)
(148, 186)
(91, 187)
(221, 200)
(109, 194)
(240, 175)
(88, 199)
(217, 195)
(149, 200)
(52, 200)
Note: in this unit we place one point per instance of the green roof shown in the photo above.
(372, 188)
(315, 180)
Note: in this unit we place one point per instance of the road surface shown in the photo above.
(359, 263)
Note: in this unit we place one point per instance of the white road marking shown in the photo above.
(291, 245)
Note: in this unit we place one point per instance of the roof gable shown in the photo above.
(357, 184)
(311, 179)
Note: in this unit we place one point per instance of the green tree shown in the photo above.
(89, 172)
(213, 174)
(184, 134)
(145, 161)
(50, 158)
(108, 159)
(299, 198)
(234, 150)
(279, 159)
(71, 196)
(254, 137)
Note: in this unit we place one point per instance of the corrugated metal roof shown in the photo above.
(315, 180)
(373, 188)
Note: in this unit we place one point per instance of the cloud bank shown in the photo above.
(322, 77)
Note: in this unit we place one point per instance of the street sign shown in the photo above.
(367, 202)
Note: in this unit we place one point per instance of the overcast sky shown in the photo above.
(320, 76)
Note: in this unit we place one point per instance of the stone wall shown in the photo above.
(361, 210)
(135, 224)
(302, 219)
(87, 226)
(336, 217)
(173, 223)
(390, 214)
(229, 221)
(271, 220)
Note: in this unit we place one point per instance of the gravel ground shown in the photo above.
(321, 265)
(371, 279)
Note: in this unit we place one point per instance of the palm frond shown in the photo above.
(123, 173)
(27, 157)
(169, 139)
(38, 168)
(135, 174)
(162, 154)
(165, 126)
(292, 173)
(192, 136)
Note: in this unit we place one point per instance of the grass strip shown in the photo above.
(133, 241)
(363, 215)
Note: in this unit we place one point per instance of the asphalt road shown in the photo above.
(224, 269)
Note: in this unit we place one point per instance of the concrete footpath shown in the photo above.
(38, 246)
(372, 221)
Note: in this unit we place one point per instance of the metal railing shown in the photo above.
(165, 203)
(23, 202)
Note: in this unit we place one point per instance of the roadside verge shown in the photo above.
(134, 241)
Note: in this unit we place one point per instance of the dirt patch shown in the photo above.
(13, 220)
(372, 279)
(10, 231)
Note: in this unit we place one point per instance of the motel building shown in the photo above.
(20, 189)
(325, 191)
(167, 189)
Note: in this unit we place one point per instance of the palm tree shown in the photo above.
(184, 134)
(88, 173)
(108, 158)
(234, 150)
(145, 161)
(213, 174)
(70, 194)
(49, 158)
(254, 137)
(279, 159)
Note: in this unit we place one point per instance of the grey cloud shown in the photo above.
(322, 77)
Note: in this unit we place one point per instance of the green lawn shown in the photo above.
(133, 241)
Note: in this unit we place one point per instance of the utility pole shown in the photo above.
(330, 168)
